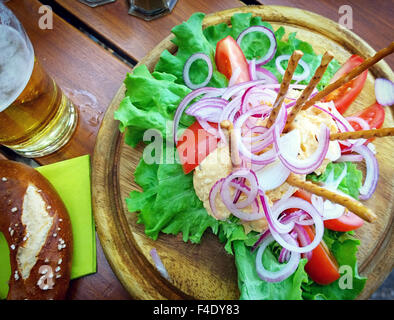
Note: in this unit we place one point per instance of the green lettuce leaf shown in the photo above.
(150, 103)
(189, 39)
(350, 184)
(253, 288)
(350, 284)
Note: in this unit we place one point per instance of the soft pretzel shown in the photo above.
(37, 228)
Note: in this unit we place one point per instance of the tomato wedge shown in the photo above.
(347, 222)
(344, 96)
(373, 115)
(322, 266)
(194, 145)
(229, 57)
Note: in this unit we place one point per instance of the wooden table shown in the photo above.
(89, 51)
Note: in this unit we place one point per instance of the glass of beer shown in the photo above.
(36, 118)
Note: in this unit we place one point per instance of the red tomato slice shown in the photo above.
(373, 115)
(344, 96)
(322, 266)
(347, 222)
(229, 57)
(194, 145)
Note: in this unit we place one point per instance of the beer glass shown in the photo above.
(36, 118)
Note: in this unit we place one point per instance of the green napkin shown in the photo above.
(71, 179)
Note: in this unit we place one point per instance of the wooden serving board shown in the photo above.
(205, 271)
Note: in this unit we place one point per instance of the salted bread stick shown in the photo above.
(284, 87)
(326, 59)
(363, 134)
(351, 75)
(233, 143)
(352, 205)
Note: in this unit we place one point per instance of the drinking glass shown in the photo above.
(36, 118)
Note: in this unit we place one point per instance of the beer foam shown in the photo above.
(16, 65)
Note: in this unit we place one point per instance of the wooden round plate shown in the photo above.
(205, 271)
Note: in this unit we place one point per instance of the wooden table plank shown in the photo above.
(131, 35)
(78, 65)
(372, 20)
(89, 74)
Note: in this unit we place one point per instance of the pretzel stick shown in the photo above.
(351, 75)
(326, 59)
(235, 158)
(365, 134)
(284, 87)
(352, 205)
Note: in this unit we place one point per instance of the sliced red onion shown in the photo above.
(251, 196)
(295, 202)
(212, 198)
(308, 165)
(252, 69)
(350, 158)
(159, 264)
(384, 92)
(297, 77)
(262, 237)
(372, 176)
(186, 70)
(257, 96)
(284, 255)
(268, 156)
(304, 239)
(272, 219)
(288, 269)
(235, 89)
(208, 128)
(208, 109)
(262, 73)
(185, 102)
(271, 36)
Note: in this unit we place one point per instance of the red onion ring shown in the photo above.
(228, 199)
(289, 268)
(262, 73)
(185, 102)
(268, 156)
(159, 264)
(295, 202)
(188, 64)
(271, 36)
(372, 175)
(384, 92)
(308, 165)
(297, 77)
